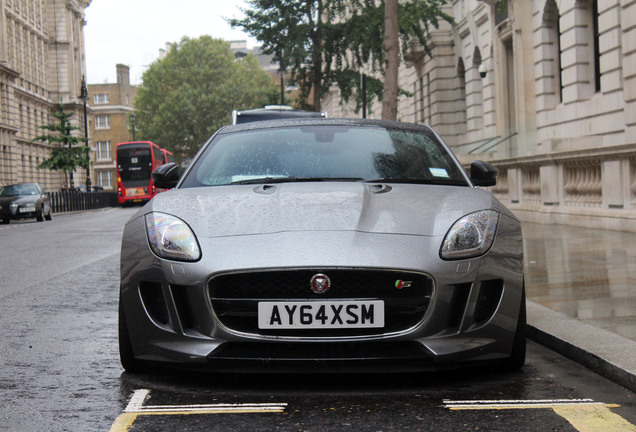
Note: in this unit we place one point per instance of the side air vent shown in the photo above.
(490, 292)
(459, 300)
(183, 306)
(154, 302)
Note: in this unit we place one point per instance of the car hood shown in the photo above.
(220, 211)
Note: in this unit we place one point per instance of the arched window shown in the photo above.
(461, 87)
(476, 58)
(474, 95)
(552, 31)
(461, 75)
(597, 50)
(580, 51)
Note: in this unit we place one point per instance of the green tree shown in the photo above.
(363, 35)
(65, 156)
(325, 42)
(291, 31)
(191, 92)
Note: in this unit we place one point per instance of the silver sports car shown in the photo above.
(337, 245)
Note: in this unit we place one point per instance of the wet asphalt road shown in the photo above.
(60, 368)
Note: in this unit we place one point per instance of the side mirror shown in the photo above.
(483, 174)
(166, 176)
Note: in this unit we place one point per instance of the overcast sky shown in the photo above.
(132, 32)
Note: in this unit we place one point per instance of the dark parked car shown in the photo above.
(295, 245)
(273, 112)
(82, 188)
(24, 200)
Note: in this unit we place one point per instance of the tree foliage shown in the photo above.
(191, 92)
(325, 42)
(291, 31)
(65, 155)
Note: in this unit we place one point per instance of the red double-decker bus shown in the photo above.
(167, 156)
(135, 162)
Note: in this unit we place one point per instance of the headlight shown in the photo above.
(470, 236)
(170, 237)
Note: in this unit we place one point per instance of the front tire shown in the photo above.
(40, 216)
(126, 356)
(518, 354)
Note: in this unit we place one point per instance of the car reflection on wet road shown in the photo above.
(586, 274)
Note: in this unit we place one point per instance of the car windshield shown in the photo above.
(18, 190)
(325, 153)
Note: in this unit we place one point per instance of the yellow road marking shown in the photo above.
(584, 414)
(136, 408)
(123, 422)
(594, 418)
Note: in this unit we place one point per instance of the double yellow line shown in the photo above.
(585, 415)
(137, 408)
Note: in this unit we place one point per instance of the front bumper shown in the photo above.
(7, 213)
(471, 316)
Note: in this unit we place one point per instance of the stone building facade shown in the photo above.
(41, 64)
(555, 111)
(111, 123)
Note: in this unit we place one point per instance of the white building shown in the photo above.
(555, 112)
(41, 64)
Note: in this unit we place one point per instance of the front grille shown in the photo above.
(235, 297)
(320, 350)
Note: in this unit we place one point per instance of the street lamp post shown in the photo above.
(281, 71)
(132, 124)
(84, 98)
(363, 79)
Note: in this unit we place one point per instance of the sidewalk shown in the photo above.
(581, 290)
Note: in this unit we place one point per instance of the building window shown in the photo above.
(597, 50)
(475, 96)
(103, 150)
(100, 98)
(102, 122)
(552, 56)
(104, 179)
(426, 99)
(461, 86)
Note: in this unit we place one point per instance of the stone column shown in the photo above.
(628, 23)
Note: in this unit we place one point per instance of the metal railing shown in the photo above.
(70, 201)
(484, 150)
(478, 144)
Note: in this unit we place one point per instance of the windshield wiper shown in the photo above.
(269, 180)
(449, 182)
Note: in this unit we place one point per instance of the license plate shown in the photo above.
(27, 209)
(321, 314)
(134, 192)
